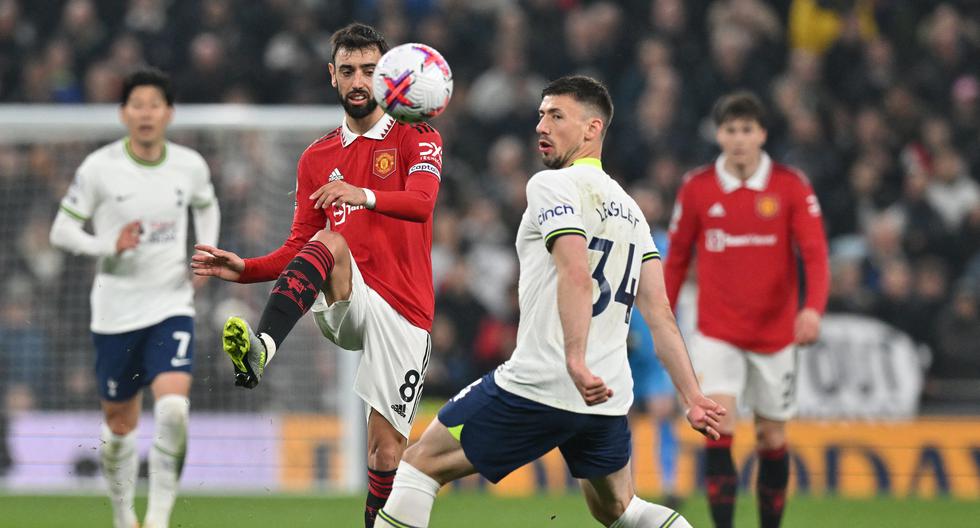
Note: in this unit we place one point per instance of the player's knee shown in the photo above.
(121, 421)
(172, 410)
(119, 426)
(384, 456)
(335, 242)
(770, 436)
(414, 454)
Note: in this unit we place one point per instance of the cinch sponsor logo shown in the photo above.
(546, 214)
(717, 240)
(616, 210)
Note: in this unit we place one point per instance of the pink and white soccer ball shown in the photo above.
(413, 82)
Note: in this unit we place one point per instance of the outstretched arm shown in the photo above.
(212, 261)
(703, 413)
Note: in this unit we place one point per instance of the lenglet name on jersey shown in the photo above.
(616, 210)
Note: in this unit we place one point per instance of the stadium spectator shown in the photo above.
(209, 75)
(953, 193)
(958, 331)
(82, 28)
(24, 345)
(847, 291)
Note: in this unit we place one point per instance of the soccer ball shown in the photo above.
(412, 82)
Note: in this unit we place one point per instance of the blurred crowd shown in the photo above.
(877, 101)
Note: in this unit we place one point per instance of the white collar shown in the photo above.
(379, 131)
(757, 182)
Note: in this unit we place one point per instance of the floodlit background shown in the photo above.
(877, 101)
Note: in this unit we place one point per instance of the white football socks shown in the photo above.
(410, 503)
(642, 514)
(166, 457)
(120, 465)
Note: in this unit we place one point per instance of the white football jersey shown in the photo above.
(151, 282)
(580, 200)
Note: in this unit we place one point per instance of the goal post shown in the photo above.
(44, 293)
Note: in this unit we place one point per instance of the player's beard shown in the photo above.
(358, 112)
(559, 162)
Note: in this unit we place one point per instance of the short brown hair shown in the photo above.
(585, 90)
(357, 36)
(740, 105)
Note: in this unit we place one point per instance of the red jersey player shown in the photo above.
(748, 217)
(368, 278)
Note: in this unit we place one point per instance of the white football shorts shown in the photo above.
(394, 356)
(765, 383)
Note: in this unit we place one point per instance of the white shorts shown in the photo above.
(765, 383)
(395, 352)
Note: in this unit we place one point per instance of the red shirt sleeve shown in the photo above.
(424, 165)
(415, 203)
(306, 222)
(684, 226)
(808, 234)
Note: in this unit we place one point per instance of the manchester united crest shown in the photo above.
(767, 205)
(384, 162)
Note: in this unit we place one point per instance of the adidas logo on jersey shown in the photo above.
(335, 176)
(716, 210)
(399, 408)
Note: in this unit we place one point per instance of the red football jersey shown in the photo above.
(391, 243)
(747, 235)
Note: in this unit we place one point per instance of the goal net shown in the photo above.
(303, 419)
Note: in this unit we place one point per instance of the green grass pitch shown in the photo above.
(471, 511)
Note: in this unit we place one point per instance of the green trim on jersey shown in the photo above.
(74, 214)
(456, 431)
(564, 231)
(140, 161)
(650, 255)
(670, 520)
(591, 162)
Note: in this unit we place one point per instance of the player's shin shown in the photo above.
(294, 292)
(771, 485)
(166, 457)
(642, 514)
(721, 481)
(120, 465)
(411, 499)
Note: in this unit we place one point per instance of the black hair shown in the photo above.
(740, 105)
(357, 36)
(147, 77)
(585, 90)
